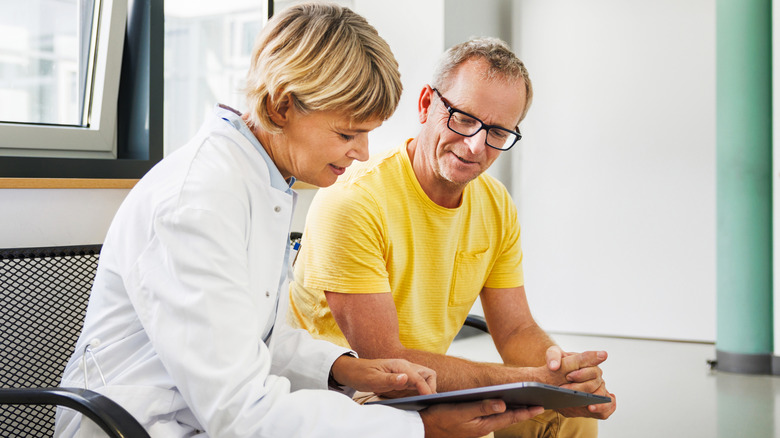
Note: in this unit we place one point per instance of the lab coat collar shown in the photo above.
(233, 117)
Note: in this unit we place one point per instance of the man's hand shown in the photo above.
(600, 411)
(476, 419)
(577, 371)
(383, 375)
(582, 373)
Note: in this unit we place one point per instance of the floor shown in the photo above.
(666, 389)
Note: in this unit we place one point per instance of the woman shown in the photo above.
(181, 327)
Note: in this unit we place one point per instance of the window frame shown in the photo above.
(98, 139)
(137, 102)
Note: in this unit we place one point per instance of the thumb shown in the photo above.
(397, 381)
(491, 407)
(554, 357)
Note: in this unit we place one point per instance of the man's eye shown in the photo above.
(499, 135)
(463, 119)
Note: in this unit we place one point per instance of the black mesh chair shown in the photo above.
(472, 326)
(43, 299)
(476, 321)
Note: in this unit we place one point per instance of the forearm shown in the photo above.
(454, 373)
(525, 347)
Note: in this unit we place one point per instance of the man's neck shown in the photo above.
(442, 192)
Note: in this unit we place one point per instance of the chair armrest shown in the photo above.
(477, 322)
(106, 413)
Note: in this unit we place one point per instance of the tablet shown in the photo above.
(516, 395)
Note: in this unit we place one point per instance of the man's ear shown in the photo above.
(424, 103)
(278, 108)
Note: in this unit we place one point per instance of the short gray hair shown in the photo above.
(502, 64)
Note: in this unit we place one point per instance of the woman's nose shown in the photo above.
(360, 151)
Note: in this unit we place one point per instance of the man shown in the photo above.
(395, 254)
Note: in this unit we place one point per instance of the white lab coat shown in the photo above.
(186, 292)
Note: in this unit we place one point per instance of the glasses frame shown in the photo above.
(452, 110)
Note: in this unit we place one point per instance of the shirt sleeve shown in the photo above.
(347, 221)
(296, 355)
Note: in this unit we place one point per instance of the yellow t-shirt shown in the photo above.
(376, 231)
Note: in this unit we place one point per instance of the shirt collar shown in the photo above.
(233, 117)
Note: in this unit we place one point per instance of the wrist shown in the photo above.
(531, 374)
(337, 370)
(332, 382)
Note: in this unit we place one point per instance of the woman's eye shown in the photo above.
(347, 137)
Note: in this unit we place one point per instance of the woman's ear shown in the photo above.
(278, 108)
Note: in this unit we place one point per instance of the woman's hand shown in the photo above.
(383, 375)
(475, 419)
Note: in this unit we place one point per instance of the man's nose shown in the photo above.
(476, 142)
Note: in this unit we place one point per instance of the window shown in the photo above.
(87, 90)
(59, 77)
(207, 53)
(80, 88)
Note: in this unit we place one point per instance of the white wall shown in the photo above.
(617, 166)
(56, 217)
(615, 175)
(415, 32)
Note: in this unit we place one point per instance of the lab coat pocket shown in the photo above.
(468, 277)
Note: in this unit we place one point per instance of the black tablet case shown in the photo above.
(516, 395)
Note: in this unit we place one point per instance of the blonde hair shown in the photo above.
(326, 57)
(502, 64)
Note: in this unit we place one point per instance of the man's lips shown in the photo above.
(463, 160)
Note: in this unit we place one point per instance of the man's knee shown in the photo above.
(578, 427)
(551, 424)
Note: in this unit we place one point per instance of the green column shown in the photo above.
(744, 195)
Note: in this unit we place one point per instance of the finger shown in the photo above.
(554, 356)
(419, 382)
(586, 380)
(604, 410)
(583, 360)
(430, 377)
(491, 407)
(599, 414)
(475, 410)
(581, 411)
(395, 382)
(594, 386)
(584, 375)
(505, 419)
(591, 386)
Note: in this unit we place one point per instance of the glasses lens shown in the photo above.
(464, 124)
(501, 138)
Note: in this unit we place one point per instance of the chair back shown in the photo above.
(43, 299)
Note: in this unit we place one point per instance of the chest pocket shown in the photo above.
(468, 277)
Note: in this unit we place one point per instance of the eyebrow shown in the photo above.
(446, 102)
(352, 130)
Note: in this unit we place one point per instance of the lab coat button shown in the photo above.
(277, 209)
(268, 294)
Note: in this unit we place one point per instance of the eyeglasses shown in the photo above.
(467, 125)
